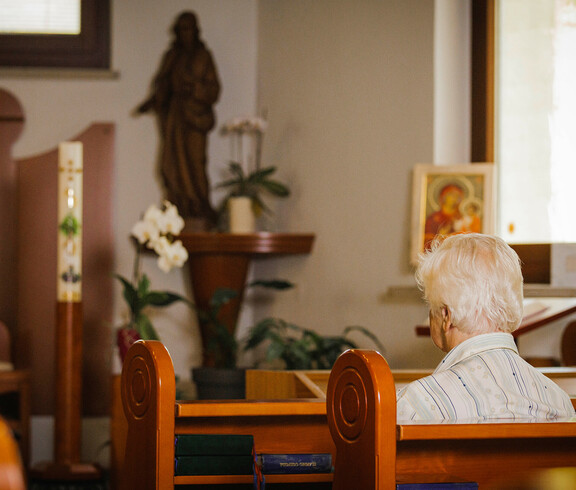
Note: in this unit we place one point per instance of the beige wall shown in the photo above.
(348, 87)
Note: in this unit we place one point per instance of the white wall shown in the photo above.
(58, 107)
(348, 87)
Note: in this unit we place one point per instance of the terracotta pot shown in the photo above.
(125, 337)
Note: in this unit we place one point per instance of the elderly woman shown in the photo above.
(473, 286)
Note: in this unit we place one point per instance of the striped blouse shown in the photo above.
(483, 378)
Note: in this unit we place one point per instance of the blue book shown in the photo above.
(295, 463)
(438, 486)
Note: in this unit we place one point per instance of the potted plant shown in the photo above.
(155, 231)
(243, 202)
(222, 378)
(303, 348)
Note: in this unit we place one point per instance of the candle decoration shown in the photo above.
(69, 266)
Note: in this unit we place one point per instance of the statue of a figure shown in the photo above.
(184, 91)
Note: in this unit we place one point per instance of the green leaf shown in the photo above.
(130, 294)
(237, 170)
(279, 284)
(222, 296)
(260, 175)
(143, 285)
(146, 329)
(163, 298)
(276, 188)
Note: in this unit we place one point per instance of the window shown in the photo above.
(524, 68)
(536, 254)
(536, 119)
(40, 17)
(65, 48)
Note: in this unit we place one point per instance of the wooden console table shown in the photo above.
(221, 260)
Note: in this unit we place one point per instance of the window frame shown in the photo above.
(89, 49)
(536, 258)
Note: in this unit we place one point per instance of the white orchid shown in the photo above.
(156, 231)
(245, 124)
(173, 255)
(252, 127)
(170, 223)
(145, 231)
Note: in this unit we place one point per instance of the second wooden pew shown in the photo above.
(374, 452)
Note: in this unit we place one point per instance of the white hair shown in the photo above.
(478, 278)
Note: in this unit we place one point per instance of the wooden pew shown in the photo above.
(154, 417)
(374, 452)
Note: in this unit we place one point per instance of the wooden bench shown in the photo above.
(154, 417)
(374, 452)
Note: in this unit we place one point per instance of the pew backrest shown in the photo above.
(374, 452)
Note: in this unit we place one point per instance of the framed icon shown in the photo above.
(449, 199)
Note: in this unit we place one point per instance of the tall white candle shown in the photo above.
(69, 266)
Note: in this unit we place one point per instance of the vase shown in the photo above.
(219, 383)
(125, 337)
(242, 219)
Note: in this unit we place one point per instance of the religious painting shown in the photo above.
(449, 199)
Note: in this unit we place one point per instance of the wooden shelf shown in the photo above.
(236, 479)
(222, 260)
(249, 408)
(262, 243)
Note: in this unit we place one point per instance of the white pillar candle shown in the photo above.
(69, 266)
(242, 218)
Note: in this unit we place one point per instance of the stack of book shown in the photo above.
(214, 454)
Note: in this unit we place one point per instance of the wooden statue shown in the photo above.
(184, 91)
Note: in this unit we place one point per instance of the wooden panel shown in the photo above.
(11, 126)
(489, 429)
(482, 81)
(283, 385)
(36, 238)
(481, 461)
(535, 262)
(154, 417)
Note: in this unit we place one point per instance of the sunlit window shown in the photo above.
(40, 16)
(55, 34)
(536, 120)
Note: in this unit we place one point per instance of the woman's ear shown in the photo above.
(446, 318)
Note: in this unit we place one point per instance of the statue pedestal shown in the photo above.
(221, 260)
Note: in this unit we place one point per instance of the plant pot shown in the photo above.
(242, 219)
(125, 337)
(219, 384)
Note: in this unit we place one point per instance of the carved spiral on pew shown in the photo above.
(138, 390)
(350, 407)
